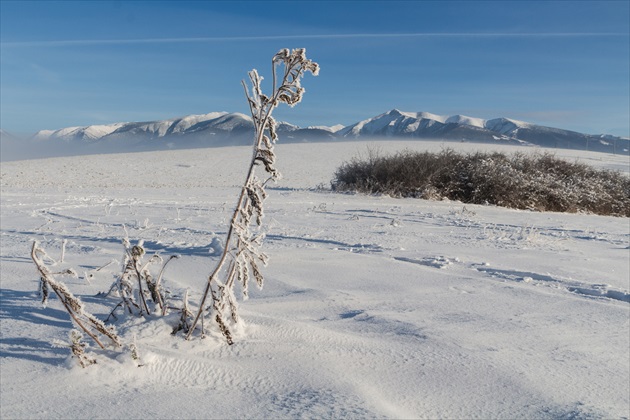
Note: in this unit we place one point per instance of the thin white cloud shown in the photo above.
(94, 42)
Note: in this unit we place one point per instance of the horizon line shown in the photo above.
(86, 42)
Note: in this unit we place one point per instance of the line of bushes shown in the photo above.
(523, 181)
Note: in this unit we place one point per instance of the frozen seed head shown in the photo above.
(296, 58)
(281, 55)
(313, 68)
(137, 251)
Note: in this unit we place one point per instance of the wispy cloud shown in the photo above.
(95, 42)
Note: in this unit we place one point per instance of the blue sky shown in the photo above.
(564, 64)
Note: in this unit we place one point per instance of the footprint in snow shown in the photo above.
(434, 262)
(583, 289)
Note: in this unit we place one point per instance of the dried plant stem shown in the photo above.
(252, 193)
(233, 221)
(72, 304)
(63, 250)
(141, 293)
(160, 299)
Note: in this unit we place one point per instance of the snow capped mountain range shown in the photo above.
(398, 124)
(221, 125)
(223, 128)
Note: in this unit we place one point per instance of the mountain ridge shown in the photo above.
(223, 129)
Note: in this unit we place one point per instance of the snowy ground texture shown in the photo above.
(373, 307)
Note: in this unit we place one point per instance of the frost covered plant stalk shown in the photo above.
(77, 347)
(81, 318)
(136, 271)
(241, 255)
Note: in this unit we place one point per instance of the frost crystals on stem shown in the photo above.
(241, 254)
(85, 321)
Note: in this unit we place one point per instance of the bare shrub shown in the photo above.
(538, 181)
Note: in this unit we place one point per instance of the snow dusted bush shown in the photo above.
(537, 182)
(140, 293)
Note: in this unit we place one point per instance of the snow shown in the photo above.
(372, 125)
(95, 132)
(505, 125)
(462, 119)
(66, 131)
(184, 123)
(222, 128)
(373, 307)
(426, 116)
(332, 129)
(426, 119)
(159, 128)
(230, 121)
(92, 132)
(43, 134)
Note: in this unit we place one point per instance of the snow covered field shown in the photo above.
(373, 307)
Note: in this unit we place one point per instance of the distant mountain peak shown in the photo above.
(223, 128)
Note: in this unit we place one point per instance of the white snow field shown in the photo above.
(373, 307)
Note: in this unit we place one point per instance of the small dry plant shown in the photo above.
(139, 292)
(142, 294)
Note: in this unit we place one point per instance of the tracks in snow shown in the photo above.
(602, 291)
(537, 279)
